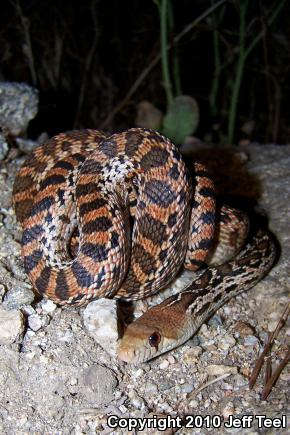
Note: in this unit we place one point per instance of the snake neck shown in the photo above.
(179, 317)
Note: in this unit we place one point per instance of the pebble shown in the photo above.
(243, 329)
(136, 400)
(34, 322)
(164, 365)
(47, 306)
(101, 322)
(171, 359)
(3, 147)
(27, 310)
(26, 145)
(18, 296)
(151, 388)
(215, 321)
(164, 386)
(251, 340)
(11, 326)
(2, 291)
(272, 326)
(138, 373)
(193, 403)
(98, 384)
(228, 410)
(187, 388)
(217, 370)
(226, 342)
(192, 356)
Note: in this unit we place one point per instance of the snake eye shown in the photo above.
(154, 339)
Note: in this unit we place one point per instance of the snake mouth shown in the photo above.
(134, 355)
(126, 355)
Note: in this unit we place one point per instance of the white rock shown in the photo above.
(47, 306)
(216, 370)
(138, 373)
(101, 322)
(171, 359)
(34, 322)
(11, 326)
(164, 365)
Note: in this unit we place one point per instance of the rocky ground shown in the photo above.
(55, 379)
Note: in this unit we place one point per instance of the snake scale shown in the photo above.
(118, 216)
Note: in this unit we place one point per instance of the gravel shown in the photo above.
(56, 379)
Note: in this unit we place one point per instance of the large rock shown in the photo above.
(18, 105)
(11, 326)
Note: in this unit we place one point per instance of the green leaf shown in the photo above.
(181, 119)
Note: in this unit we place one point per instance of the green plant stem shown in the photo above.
(239, 74)
(164, 51)
(243, 55)
(175, 57)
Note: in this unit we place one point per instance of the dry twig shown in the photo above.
(270, 380)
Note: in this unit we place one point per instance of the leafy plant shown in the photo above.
(181, 119)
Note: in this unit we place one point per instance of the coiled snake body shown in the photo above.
(118, 216)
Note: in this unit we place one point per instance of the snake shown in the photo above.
(119, 216)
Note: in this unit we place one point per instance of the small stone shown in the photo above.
(3, 147)
(243, 329)
(11, 326)
(187, 388)
(228, 410)
(164, 365)
(217, 370)
(138, 373)
(151, 388)
(98, 384)
(204, 329)
(28, 310)
(26, 145)
(227, 341)
(2, 291)
(192, 355)
(101, 322)
(193, 404)
(164, 406)
(164, 386)
(251, 340)
(215, 321)
(123, 409)
(47, 306)
(34, 322)
(18, 296)
(66, 337)
(171, 359)
(73, 381)
(272, 326)
(136, 400)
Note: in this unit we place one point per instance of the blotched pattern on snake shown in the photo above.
(119, 216)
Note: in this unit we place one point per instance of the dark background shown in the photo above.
(84, 57)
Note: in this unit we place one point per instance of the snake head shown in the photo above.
(147, 337)
(140, 343)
